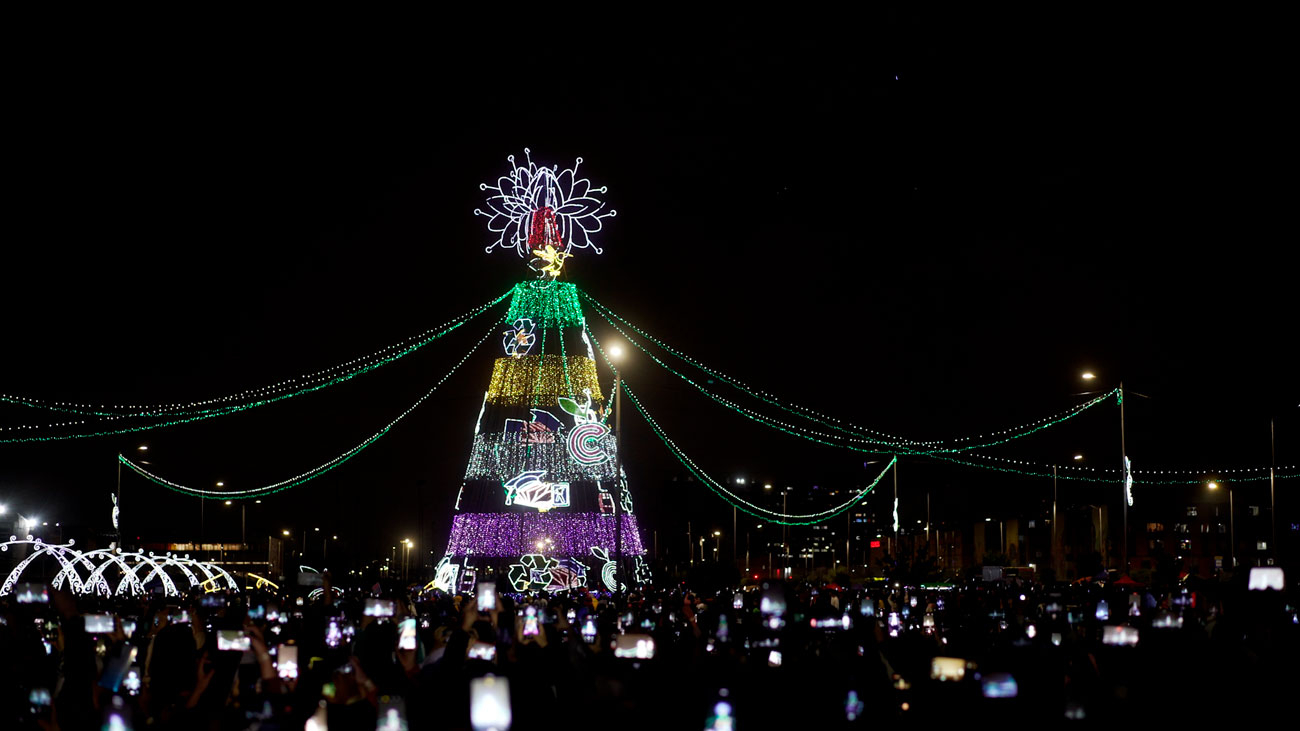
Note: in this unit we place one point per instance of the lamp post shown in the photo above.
(616, 352)
(717, 543)
(1232, 537)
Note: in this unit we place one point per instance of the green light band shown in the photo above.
(549, 304)
(314, 472)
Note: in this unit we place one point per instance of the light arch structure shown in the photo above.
(136, 570)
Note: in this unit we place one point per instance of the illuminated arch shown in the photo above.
(53, 549)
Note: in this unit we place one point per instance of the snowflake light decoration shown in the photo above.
(536, 207)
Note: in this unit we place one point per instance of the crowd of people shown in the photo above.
(770, 655)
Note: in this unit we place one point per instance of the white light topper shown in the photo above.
(534, 206)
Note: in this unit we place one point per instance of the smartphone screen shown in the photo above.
(128, 627)
(40, 700)
(392, 714)
(179, 616)
(380, 608)
(131, 683)
(530, 622)
(487, 595)
(99, 624)
(32, 594)
(483, 651)
(1113, 634)
(1263, 578)
(333, 633)
(257, 612)
(589, 630)
(286, 661)
(999, 685)
(406, 640)
(772, 602)
(641, 647)
(947, 668)
(233, 640)
(115, 669)
(489, 704)
(774, 658)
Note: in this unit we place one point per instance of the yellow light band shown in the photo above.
(518, 381)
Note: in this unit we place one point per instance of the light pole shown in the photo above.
(616, 352)
(1232, 538)
(717, 543)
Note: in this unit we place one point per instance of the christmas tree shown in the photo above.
(544, 504)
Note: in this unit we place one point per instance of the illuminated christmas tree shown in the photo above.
(544, 497)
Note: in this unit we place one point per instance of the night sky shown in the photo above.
(925, 225)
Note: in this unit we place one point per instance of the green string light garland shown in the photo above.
(212, 413)
(350, 369)
(549, 304)
(735, 500)
(895, 448)
(314, 472)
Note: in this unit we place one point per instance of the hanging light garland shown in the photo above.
(985, 440)
(264, 394)
(1111, 475)
(893, 445)
(313, 472)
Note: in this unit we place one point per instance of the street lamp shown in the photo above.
(243, 521)
(1232, 539)
(717, 542)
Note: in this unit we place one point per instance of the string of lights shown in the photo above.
(795, 409)
(719, 489)
(332, 375)
(889, 447)
(313, 472)
(894, 445)
(1106, 474)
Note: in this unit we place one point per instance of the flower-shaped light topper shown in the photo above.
(534, 206)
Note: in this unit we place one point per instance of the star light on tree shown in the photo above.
(537, 208)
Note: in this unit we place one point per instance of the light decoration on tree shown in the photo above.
(569, 574)
(541, 430)
(520, 338)
(530, 378)
(506, 535)
(585, 444)
(532, 572)
(547, 261)
(535, 205)
(549, 304)
(315, 471)
(529, 490)
(502, 456)
(183, 413)
(608, 570)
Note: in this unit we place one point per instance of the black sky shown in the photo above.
(925, 224)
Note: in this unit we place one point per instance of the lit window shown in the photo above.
(1191, 511)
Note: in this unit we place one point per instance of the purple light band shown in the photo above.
(511, 535)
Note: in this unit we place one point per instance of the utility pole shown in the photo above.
(618, 478)
(1124, 490)
(1272, 495)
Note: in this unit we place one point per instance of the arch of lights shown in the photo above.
(134, 570)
